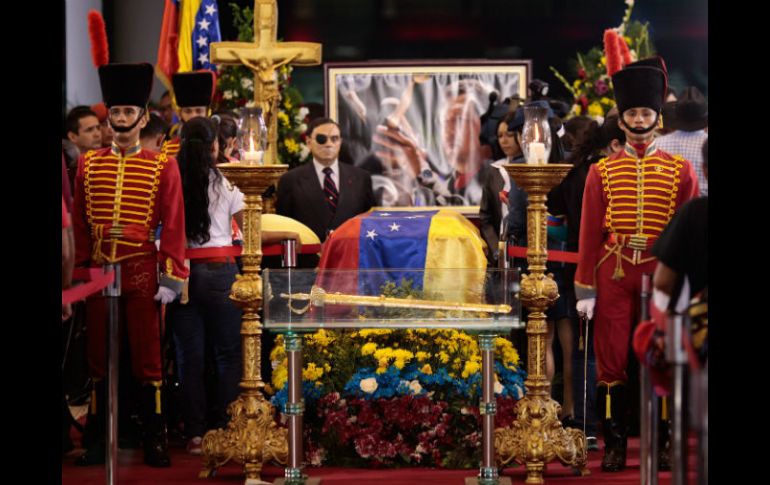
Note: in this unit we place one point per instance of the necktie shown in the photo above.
(330, 190)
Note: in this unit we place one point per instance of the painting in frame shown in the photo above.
(415, 125)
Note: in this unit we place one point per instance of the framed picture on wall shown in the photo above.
(415, 125)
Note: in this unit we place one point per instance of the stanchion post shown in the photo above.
(112, 295)
(676, 356)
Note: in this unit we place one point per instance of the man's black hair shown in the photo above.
(72, 122)
(318, 122)
(155, 126)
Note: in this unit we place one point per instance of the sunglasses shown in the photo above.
(322, 139)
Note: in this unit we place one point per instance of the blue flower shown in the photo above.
(310, 392)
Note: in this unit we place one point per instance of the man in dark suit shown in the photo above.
(324, 193)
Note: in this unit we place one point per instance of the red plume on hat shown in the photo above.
(612, 52)
(100, 52)
(624, 51)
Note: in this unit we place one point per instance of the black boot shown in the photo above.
(94, 434)
(664, 436)
(614, 426)
(66, 424)
(153, 428)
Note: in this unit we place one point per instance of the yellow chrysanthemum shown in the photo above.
(311, 372)
(291, 145)
(321, 337)
(280, 376)
(368, 348)
(367, 332)
(470, 368)
(383, 353)
(426, 369)
(443, 357)
(595, 109)
(278, 352)
(422, 356)
(283, 118)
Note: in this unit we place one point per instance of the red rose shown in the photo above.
(582, 73)
(583, 100)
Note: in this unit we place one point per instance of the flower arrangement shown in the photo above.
(235, 89)
(592, 88)
(377, 397)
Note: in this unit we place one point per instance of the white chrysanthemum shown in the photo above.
(415, 387)
(498, 387)
(368, 385)
(227, 94)
(247, 83)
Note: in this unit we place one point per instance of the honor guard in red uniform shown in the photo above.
(193, 92)
(122, 194)
(629, 198)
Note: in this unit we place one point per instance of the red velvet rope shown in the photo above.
(553, 255)
(276, 249)
(203, 253)
(94, 279)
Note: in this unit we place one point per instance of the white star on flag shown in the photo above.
(201, 41)
(204, 24)
(394, 227)
(210, 10)
(384, 214)
(203, 58)
(371, 234)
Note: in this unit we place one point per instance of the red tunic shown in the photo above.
(627, 202)
(120, 199)
(171, 147)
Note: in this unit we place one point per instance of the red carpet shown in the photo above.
(184, 471)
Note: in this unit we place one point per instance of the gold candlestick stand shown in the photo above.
(252, 437)
(537, 437)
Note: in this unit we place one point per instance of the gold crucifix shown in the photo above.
(264, 57)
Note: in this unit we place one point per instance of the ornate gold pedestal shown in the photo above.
(251, 437)
(536, 437)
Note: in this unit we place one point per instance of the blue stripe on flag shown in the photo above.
(205, 31)
(396, 240)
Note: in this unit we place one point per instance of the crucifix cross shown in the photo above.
(264, 57)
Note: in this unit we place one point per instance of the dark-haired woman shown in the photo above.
(208, 322)
(227, 133)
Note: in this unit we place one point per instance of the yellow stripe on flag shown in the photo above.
(454, 243)
(188, 11)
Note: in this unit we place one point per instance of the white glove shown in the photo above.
(585, 307)
(165, 295)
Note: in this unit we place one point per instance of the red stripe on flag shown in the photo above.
(346, 247)
(168, 60)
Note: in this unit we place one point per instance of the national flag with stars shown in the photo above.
(189, 27)
(400, 240)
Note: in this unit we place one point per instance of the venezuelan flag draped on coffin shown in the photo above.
(387, 396)
(405, 239)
